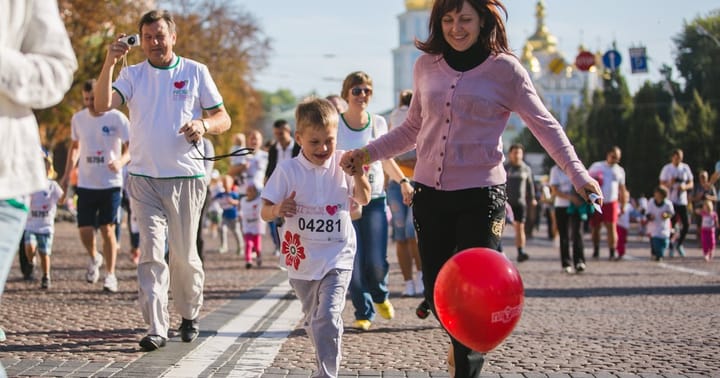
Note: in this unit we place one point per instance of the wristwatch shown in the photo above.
(404, 180)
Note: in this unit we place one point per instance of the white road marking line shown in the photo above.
(683, 269)
(213, 347)
(264, 348)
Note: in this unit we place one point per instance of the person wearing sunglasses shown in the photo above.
(465, 86)
(357, 127)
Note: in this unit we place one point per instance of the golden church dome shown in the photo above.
(542, 40)
(418, 4)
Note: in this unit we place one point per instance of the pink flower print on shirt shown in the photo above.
(293, 250)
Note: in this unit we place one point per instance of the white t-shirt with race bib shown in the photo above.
(350, 139)
(559, 179)
(43, 206)
(252, 222)
(161, 100)
(610, 177)
(100, 139)
(320, 237)
(680, 174)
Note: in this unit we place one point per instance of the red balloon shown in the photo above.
(479, 298)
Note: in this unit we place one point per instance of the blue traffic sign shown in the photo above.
(612, 59)
(638, 60)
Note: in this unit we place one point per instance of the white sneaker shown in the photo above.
(222, 250)
(111, 283)
(409, 289)
(419, 286)
(93, 269)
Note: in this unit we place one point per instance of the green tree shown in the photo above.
(698, 140)
(651, 127)
(607, 117)
(698, 54)
(218, 33)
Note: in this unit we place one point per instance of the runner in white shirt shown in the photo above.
(313, 194)
(678, 178)
(659, 212)
(167, 96)
(40, 227)
(99, 149)
(611, 177)
(252, 225)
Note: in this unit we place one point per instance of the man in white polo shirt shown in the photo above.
(173, 102)
(99, 148)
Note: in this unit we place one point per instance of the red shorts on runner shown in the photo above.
(610, 213)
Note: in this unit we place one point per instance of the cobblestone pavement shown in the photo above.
(629, 318)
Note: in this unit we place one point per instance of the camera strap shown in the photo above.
(239, 152)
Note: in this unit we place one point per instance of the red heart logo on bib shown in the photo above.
(179, 84)
(331, 209)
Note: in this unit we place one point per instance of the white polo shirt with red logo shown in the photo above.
(161, 100)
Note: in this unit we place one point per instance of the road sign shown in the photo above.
(584, 60)
(638, 60)
(611, 59)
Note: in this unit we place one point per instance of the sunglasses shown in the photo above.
(357, 91)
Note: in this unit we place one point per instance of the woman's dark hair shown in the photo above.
(492, 35)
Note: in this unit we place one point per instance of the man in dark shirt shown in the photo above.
(520, 194)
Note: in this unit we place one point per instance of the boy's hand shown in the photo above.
(286, 208)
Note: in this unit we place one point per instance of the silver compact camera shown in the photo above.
(131, 40)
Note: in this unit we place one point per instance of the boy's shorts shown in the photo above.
(43, 242)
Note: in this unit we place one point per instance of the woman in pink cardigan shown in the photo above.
(465, 87)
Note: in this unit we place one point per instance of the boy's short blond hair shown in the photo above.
(315, 113)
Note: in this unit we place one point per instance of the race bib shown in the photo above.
(320, 223)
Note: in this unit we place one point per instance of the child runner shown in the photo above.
(229, 201)
(623, 226)
(659, 212)
(252, 224)
(709, 223)
(40, 225)
(313, 194)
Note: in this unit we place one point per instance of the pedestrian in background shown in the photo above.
(611, 177)
(100, 151)
(659, 212)
(464, 88)
(173, 102)
(678, 178)
(37, 69)
(40, 227)
(229, 200)
(357, 127)
(403, 229)
(252, 225)
(313, 195)
(520, 195)
(709, 222)
(568, 218)
(623, 226)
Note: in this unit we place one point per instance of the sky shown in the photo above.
(315, 44)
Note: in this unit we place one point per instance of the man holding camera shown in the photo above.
(173, 102)
(678, 178)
